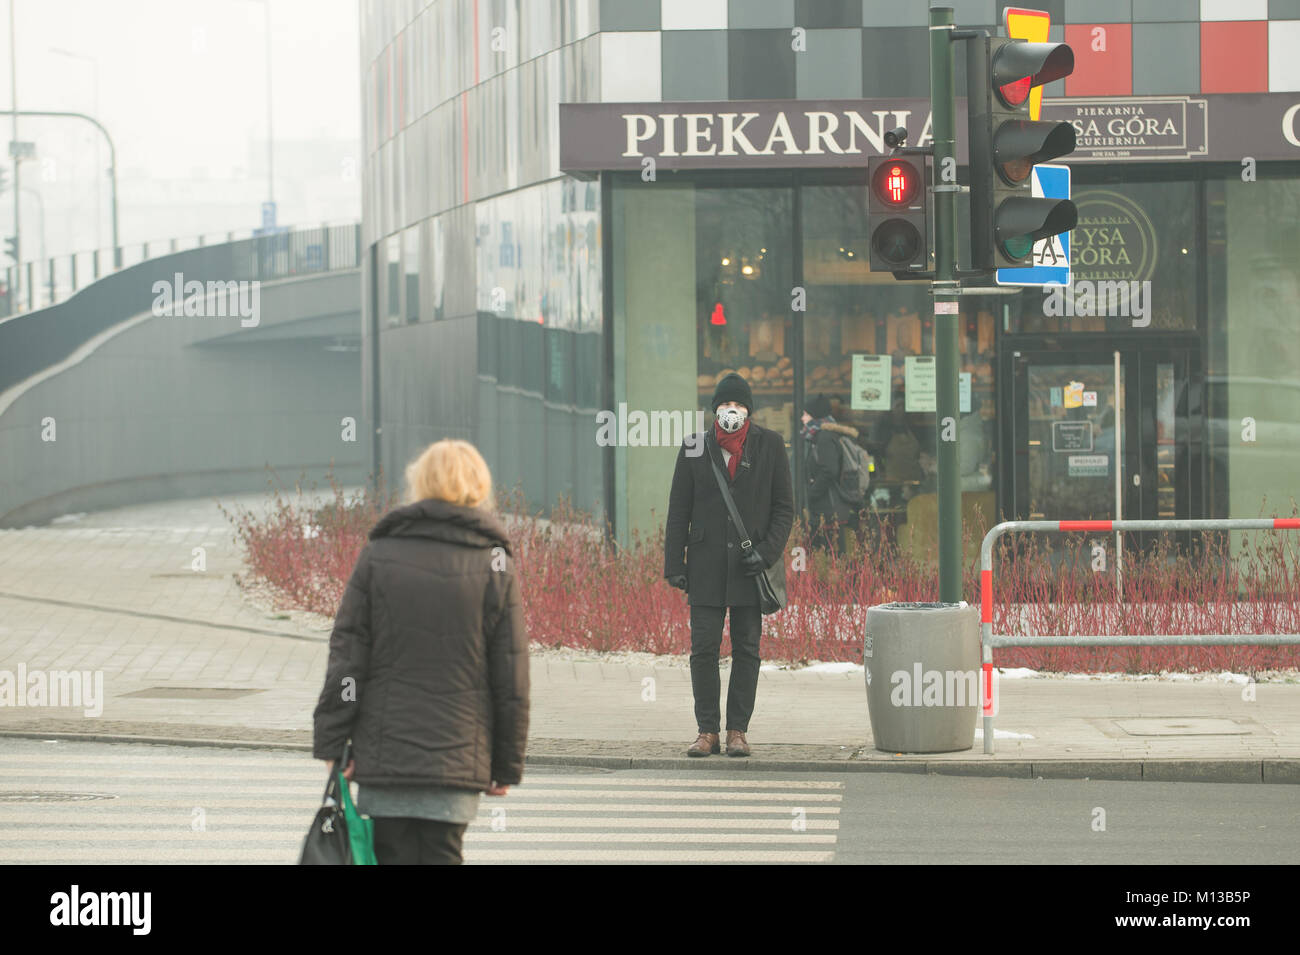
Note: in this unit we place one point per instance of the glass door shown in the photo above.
(1102, 435)
(1066, 408)
(1169, 470)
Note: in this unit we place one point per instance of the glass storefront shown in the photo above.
(540, 348)
(744, 277)
(1164, 386)
(768, 276)
(1253, 374)
(1190, 385)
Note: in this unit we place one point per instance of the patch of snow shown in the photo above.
(843, 667)
(1016, 673)
(1002, 734)
(1239, 678)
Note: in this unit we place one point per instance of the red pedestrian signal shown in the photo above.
(896, 214)
(896, 183)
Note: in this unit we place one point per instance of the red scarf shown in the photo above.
(732, 442)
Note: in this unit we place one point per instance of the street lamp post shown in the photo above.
(112, 165)
(99, 195)
(13, 81)
(270, 153)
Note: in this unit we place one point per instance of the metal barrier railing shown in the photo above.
(988, 641)
(36, 284)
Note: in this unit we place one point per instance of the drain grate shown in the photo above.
(193, 692)
(1183, 726)
(18, 795)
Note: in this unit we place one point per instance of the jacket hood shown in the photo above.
(845, 429)
(440, 520)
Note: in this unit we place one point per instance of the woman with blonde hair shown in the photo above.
(428, 665)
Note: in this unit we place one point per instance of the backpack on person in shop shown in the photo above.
(855, 473)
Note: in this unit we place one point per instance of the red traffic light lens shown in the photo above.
(896, 183)
(1015, 94)
(1017, 170)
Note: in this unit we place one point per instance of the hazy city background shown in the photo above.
(182, 88)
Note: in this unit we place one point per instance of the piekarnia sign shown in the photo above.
(747, 134)
(767, 134)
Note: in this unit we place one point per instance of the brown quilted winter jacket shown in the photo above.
(428, 665)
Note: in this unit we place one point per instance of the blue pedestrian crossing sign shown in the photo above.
(1051, 256)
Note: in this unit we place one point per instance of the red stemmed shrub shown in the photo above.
(581, 589)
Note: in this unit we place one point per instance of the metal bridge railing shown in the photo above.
(988, 640)
(37, 284)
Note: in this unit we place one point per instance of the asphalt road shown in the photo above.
(86, 803)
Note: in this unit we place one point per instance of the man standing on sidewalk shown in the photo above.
(702, 554)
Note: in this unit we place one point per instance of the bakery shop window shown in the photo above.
(744, 275)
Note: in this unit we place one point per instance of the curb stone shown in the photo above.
(1272, 771)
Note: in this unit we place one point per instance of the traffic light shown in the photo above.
(11, 247)
(896, 213)
(1005, 143)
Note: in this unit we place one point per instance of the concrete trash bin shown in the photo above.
(923, 676)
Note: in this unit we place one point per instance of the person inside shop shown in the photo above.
(893, 441)
(702, 554)
(831, 516)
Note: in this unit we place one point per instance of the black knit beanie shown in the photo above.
(820, 407)
(733, 388)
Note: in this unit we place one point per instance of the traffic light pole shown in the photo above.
(947, 292)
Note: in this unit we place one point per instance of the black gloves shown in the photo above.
(752, 563)
(678, 581)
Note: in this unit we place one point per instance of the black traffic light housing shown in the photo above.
(11, 248)
(897, 208)
(1005, 144)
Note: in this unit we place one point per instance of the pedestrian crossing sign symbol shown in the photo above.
(1051, 256)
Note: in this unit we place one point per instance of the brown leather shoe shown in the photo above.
(705, 744)
(736, 743)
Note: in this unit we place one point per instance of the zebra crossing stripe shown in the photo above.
(675, 797)
(646, 855)
(309, 802)
(256, 808)
(11, 765)
(182, 840)
(219, 822)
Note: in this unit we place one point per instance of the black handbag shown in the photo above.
(327, 841)
(771, 582)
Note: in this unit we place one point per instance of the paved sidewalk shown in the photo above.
(184, 655)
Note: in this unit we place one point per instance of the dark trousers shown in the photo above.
(706, 639)
(400, 841)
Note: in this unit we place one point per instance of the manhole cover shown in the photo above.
(1183, 726)
(12, 795)
(193, 692)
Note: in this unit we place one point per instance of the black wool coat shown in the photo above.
(700, 540)
(825, 463)
(428, 665)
